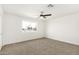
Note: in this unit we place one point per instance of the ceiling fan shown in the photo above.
(43, 15)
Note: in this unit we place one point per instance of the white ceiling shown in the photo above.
(33, 10)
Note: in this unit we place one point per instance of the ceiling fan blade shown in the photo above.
(46, 15)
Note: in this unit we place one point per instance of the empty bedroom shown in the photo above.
(39, 29)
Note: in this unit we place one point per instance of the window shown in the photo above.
(29, 26)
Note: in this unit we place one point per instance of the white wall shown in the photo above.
(64, 28)
(12, 32)
(1, 14)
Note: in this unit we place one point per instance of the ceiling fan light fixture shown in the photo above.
(41, 18)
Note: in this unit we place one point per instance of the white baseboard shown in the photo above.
(52, 37)
(22, 41)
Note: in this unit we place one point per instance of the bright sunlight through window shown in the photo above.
(30, 26)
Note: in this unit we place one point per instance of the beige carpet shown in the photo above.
(41, 46)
